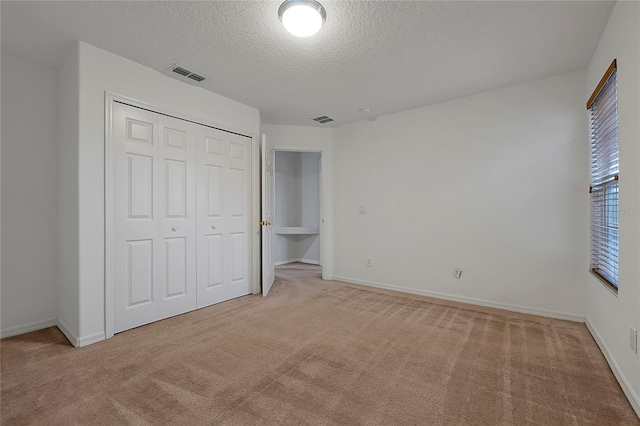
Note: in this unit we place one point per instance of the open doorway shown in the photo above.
(298, 207)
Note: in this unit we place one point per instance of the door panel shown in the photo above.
(238, 257)
(176, 189)
(175, 138)
(176, 267)
(214, 261)
(139, 130)
(140, 186)
(238, 194)
(213, 190)
(214, 143)
(139, 272)
(238, 158)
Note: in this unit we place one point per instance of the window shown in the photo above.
(603, 132)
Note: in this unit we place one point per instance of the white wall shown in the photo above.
(609, 316)
(492, 183)
(288, 207)
(101, 71)
(29, 203)
(310, 188)
(68, 308)
(315, 139)
(309, 246)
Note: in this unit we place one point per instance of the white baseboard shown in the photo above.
(71, 337)
(470, 300)
(284, 262)
(25, 328)
(79, 342)
(631, 395)
(90, 339)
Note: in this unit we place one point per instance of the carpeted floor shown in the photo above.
(317, 352)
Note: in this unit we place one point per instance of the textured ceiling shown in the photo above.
(390, 55)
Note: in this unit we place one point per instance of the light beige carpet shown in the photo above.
(318, 353)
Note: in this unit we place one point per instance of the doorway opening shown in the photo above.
(298, 208)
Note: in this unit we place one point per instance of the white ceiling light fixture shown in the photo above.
(302, 18)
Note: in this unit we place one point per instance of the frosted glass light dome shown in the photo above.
(302, 18)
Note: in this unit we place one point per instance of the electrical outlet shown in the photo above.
(369, 262)
(362, 210)
(457, 273)
(633, 339)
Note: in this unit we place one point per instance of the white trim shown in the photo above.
(299, 259)
(631, 395)
(256, 229)
(88, 340)
(54, 322)
(67, 332)
(290, 148)
(470, 300)
(108, 206)
(26, 328)
(109, 319)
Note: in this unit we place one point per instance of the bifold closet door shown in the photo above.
(177, 221)
(223, 164)
(154, 217)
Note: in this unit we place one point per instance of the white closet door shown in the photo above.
(238, 216)
(177, 216)
(223, 216)
(211, 154)
(181, 200)
(136, 253)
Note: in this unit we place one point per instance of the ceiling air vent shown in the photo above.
(181, 71)
(184, 72)
(196, 77)
(323, 119)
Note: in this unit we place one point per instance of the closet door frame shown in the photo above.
(254, 229)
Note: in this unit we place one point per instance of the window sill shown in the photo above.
(605, 281)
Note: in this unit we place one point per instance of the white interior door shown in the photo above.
(268, 217)
(224, 199)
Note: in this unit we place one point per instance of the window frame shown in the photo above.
(603, 218)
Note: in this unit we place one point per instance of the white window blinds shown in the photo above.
(603, 126)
